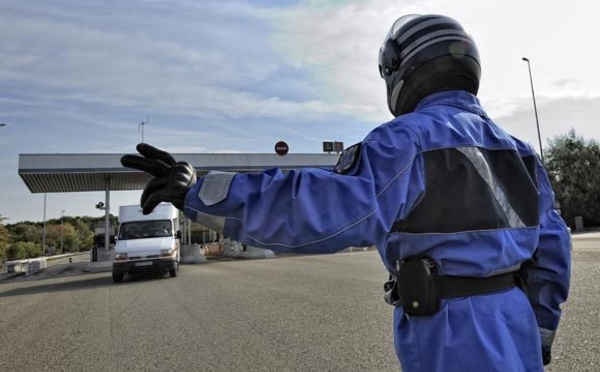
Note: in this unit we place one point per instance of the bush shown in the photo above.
(23, 250)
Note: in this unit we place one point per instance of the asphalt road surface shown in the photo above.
(299, 313)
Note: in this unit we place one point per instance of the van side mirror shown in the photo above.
(113, 239)
(178, 234)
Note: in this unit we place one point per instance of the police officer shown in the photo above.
(461, 212)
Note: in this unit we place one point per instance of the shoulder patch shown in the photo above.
(348, 159)
(215, 187)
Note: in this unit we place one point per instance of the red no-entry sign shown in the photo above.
(281, 148)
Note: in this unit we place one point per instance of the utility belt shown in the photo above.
(419, 289)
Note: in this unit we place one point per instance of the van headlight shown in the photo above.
(167, 252)
(120, 256)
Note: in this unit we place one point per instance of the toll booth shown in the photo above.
(99, 240)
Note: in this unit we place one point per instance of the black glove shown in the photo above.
(172, 179)
(546, 356)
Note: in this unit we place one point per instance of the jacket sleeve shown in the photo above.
(548, 275)
(309, 210)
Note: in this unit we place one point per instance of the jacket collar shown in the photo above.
(456, 98)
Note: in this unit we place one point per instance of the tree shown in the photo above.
(68, 234)
(77, 234)
(84, 235)
(4, 240)
(16, 251)
(26, 231)
(573, 165)
(23, 250)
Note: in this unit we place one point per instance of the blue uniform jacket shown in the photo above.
(443, 181)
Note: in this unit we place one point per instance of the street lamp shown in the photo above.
(142, 124)
(44, 229)
(535, 108)
(62, 213)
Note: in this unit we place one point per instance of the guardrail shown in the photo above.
(30, 266)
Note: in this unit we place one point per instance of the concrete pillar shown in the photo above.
(192, 254)
(104, 261)
(579, 223)
(106, 215)
(237, 250)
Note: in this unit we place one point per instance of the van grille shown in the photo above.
(144, 258)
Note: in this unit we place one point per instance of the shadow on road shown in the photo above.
(85, 283)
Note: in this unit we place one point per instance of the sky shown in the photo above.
(236, 76)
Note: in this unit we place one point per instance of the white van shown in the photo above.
(147, 243)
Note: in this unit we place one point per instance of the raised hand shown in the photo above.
(171, 181)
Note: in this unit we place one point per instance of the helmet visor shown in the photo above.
(386, 56)
(398, 24)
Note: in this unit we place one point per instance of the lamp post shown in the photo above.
(142, 124)
(44, 229)
(62, 213)
(537, 122)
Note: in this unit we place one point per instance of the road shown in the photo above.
(285, 314)
(298, 313)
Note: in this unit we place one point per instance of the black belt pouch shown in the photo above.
(419, 289)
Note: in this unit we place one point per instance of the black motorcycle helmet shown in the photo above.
(425, 54)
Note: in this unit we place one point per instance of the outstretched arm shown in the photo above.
(310, 210)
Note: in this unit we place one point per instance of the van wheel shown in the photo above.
(173, 272)
(117, 277)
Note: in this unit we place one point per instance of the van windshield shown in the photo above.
(145, 229)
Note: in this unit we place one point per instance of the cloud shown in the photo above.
(116, 64)
(213, 59)
(339, 44)
(556, 117)
(236, 76)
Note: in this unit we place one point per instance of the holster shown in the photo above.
(419, 289)
(418, 286)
